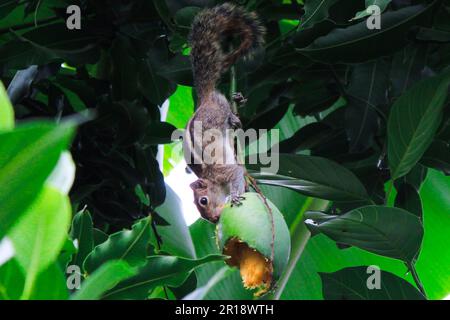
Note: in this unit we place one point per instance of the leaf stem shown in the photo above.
(388, 194)
(416, 278)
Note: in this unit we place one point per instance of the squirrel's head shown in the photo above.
(209, 199)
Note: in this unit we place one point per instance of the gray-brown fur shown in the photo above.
(209, 30)
(219, 183)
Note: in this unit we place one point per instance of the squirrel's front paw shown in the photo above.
(238, 98)
(236, 200)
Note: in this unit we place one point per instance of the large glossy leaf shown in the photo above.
(52, 42)
(408, 198)
(27, 157)
(366, 92)
(315, 11)
(408, 67)
(12, 280)
(413, 121)
(314, 95)
(128, 245)
(358, 43)
(99, 236)
(125, 73)
(154, 87)
(6, 6)
(202, 292)
(178, 70)
(176, 238)
(314, 176)
(351, 284)
(6, 110)
(382, 4)
(39, 236)
(82, 233)
(158, 270)
(437, 156)
(103, 279)
(390, 232)
(50, 284)
(322, 255)
(433, 265)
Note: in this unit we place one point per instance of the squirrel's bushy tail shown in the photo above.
(209, 30)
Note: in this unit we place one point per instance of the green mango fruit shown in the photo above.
(245, 233)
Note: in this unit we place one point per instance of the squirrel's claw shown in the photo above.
(238, 98)
(234, 121)
(236, 200)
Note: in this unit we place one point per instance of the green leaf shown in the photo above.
(181, 107)
(63, 175)
(82, 232)
(202, 292)
(437, 156)
(408, 198)
(128, 245)
(315, 11)
(184, 17)
(158, 270)
(27, 157)
(154, 87)
(6, 6)
(313, 96)
(66, 253)
(99, 236)
(322, 255)
(382, 4)
(49, 43)
(103, 279)
(413, 121)
(390, 232)
(176, 237)
(125, 72)
(408, 66)
(178, 69)
(158, 133)
(433, 265)
(50, 284)
(314, 176)
(40, 234)
(352, 284)
(12, 280)
(435, 35)
(357, 43)
(6, 110)
(366, 92)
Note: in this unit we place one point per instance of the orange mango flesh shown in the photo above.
(255, 269)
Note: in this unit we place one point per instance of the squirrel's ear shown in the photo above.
(199, 184)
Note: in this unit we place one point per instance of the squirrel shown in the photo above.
(218, 182)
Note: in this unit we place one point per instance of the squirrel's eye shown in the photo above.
(203, 201)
